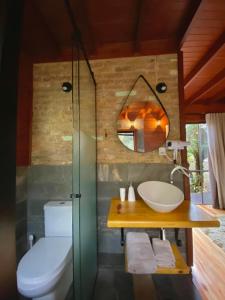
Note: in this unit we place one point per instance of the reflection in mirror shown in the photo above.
(143, 124)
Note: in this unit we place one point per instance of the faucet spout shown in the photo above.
(182, 169)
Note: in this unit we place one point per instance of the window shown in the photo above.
(127, 138)
(197, 156)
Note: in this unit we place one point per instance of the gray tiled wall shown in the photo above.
(110, 178)
(21, 210)
(46, 183)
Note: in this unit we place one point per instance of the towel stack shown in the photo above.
(163, 253)
(140, 256)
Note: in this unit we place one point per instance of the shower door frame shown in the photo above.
(77, 193)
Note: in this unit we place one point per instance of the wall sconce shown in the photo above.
(125, 123)
(67, 87)
(138, 123)
(158, 122)
(128, 124)
(167, 130)
(161, 87)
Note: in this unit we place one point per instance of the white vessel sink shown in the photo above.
(160, 196)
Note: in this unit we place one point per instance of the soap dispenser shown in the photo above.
(131, 194)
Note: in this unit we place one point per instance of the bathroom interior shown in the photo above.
(108, 102)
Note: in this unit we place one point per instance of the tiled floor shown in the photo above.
(115, 284)
(118, 285)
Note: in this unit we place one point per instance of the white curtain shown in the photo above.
(216, 140)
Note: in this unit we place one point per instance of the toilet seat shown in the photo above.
(41, 267)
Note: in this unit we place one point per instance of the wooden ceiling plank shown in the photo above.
(185, 30)
(52, 37)
(198, 43)
(80, 11)
(215, 95)
(218, 97)
(206, 59)
(207, 87)
(196, 37)
(138, 25)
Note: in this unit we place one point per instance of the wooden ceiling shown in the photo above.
(203, 49)
(139, 27)
(110, 28)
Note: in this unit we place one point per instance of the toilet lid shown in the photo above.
(45, 259)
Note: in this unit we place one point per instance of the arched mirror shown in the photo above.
(142, 124)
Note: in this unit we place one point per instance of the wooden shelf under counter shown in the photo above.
(180, 266)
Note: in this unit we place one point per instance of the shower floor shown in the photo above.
(113, 284)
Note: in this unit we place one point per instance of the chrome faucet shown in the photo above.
(182, 169)
(187, 173)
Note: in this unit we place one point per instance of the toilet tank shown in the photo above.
(58, 218)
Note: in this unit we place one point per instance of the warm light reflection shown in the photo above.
(148, 123)
(125, 123)
(138, 124)
(167, 130)
(158, 122)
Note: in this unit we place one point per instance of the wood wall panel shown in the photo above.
(209, 267)
(11, 12)
(24, 110)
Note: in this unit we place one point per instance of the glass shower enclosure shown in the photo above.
(84, 177)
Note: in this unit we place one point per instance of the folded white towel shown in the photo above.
(163, 253)
(140, 256)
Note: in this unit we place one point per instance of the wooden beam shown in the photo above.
(115, 50)
(126, 49)
(24, 111)
(204, 109)
(138, 25)
(181, 93)
(207, 58)
(182, 120)
(188, 232)
(188, 23)
(194, 118)
(217, 98)
(210, 85)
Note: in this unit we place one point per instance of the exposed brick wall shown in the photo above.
(52, 113)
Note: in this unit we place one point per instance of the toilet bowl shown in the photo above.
(45, 272)
(44, 268)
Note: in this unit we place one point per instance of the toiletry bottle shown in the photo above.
(131, 194)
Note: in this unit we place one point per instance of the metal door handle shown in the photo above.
(75, 196)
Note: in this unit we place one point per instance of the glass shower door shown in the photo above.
(84, 182)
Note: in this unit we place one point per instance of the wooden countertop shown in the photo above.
(138, 215)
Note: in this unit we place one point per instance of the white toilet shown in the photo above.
(46, 271)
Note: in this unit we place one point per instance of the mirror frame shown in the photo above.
(160, 103)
